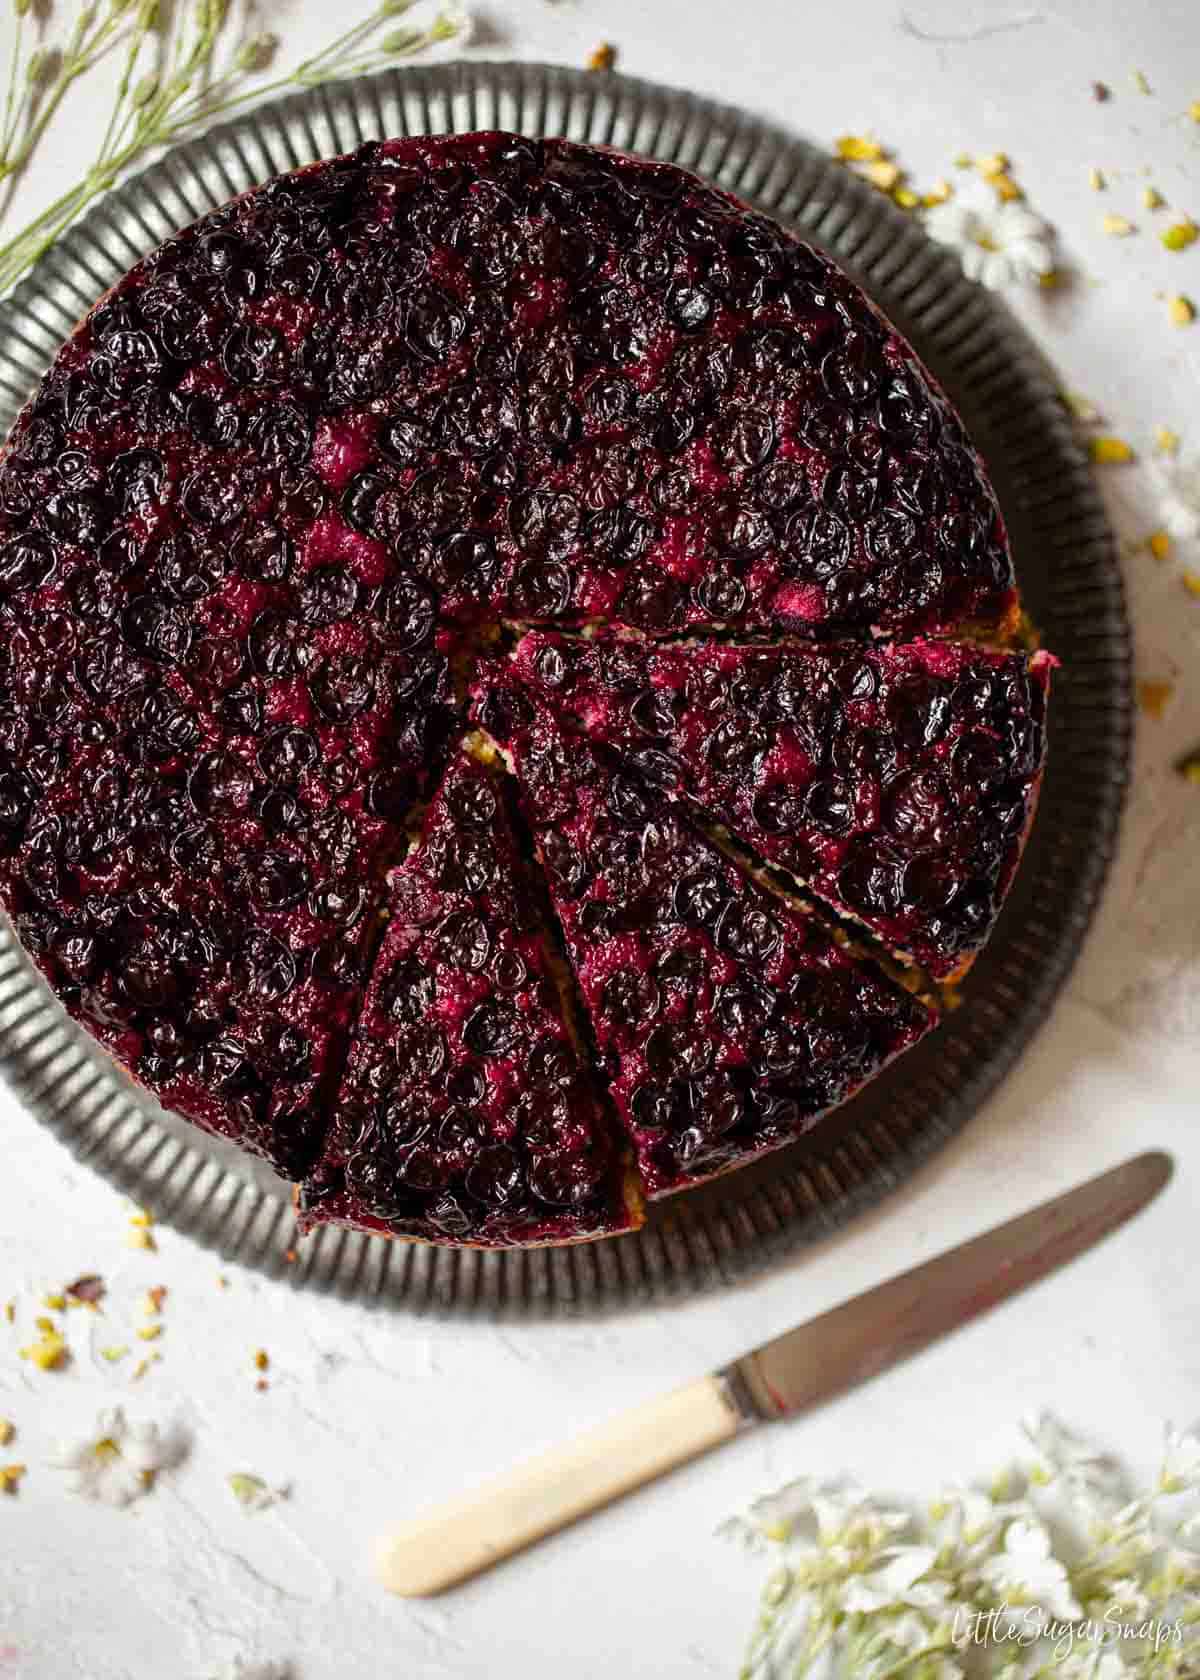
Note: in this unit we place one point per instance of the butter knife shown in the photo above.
(829, 1354)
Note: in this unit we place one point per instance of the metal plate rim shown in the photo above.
(725, 1232)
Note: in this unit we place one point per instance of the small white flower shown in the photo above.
(965, 1521)
(1177, 484)
(777, 1516)
(1086, 1474)
(897, 1584)
(1027, 1572)
(1180, 1471)
(117, 1462)
(998, 243)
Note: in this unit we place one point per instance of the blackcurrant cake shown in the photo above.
(511, 692)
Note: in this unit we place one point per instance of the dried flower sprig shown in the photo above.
(181, 68)
(1056, 1572)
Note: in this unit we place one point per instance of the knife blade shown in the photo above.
(821, 1358)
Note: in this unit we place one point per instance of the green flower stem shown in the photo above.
(10, 98)
(181, 88)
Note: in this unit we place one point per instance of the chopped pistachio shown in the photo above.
(1006, 188)
(140, 1238)
(995, 163)
(149, 1332)
(858, 148)
(1194, 110)
(49, 1352)
(882, 174)
(1153, 697)
(1166, 442)
(1153, 199)
(1180, 235)
(10, 1475)
(1117, 227)
(10, 1311)
(1109, 451)
(1159, 544)
(143, 1365)
(603, 58)
(142, 1217)
(1140, 82)
(1181, 310)
(114, 1354)
(1096, 180)
(938, 193)
(963, 160)
(249, 1490)
(153, 1299)
(7, 1431)
(906, 198)
(56, 1303)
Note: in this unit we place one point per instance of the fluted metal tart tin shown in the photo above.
(1067, 565)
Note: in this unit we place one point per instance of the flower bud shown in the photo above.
(401, 41)
(255, 54)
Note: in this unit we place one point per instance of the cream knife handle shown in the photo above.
(468, 1535)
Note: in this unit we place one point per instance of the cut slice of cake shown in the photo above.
(897, 781)
(194, 858)
(729, 1021)
(467, 1113)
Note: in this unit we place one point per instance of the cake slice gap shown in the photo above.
(730, 1021)
(468, 1113)
(897, 781)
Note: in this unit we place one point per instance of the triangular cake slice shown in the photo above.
(467, 1113)
(729, 1021)
(898, 782)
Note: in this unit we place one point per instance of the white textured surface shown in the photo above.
(370, 1417)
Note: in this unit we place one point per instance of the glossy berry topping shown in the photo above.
(467, 1113)
(897, 781)
(290, 474)
(728, 1021)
